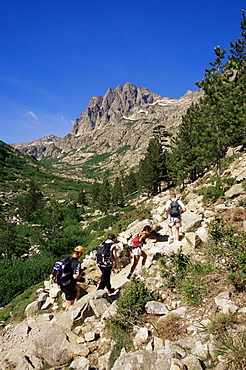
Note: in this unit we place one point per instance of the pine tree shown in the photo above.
(82, 198)
(237, 64)
(31, 203)
(104, 198)
(95, 192)
(218, 127)
(117, 194)
(152, 169)
(188, 157)
(129, 183)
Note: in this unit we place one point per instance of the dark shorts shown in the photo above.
(70, 291)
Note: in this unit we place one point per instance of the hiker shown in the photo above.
(70, 289)
(137, 242)
(107, 258)
(174, 208)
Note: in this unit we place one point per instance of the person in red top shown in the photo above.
(138, 240)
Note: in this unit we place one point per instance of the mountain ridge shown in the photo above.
(118, 124)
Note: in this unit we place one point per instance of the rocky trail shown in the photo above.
(174, 335)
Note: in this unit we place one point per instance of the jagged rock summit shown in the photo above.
(116, 104)
(118, 125)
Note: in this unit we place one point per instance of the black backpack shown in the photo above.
(62, 272)
(103, 254)
(174, 209)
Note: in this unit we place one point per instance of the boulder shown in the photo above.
(191, 238)
(52, 345)
(99, 306)
(90, 336)
(202, 233)
(241, 176)
(220, 208)
(29, 363)
(190, 221)
(144, 360)
(141, 337)
(110, 311)
(177, 365)
(234, 191)
(156, 308)
(80, 363)
(49, 302)
(22, 329)
(192, 363)
(32, 308)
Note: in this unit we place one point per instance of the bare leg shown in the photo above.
(144, 255)
(170, 231)
(135, 262)
(176, 233)
(69, 304)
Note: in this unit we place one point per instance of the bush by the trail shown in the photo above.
(18, 274)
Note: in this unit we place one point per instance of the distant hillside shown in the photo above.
(17, 169)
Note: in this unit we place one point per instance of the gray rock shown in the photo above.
(202, 232)
(192, 363)
(145, 360)
(52, 344)
(80, 363)
(190, 221)
(141, 337)
(99, 306)
(49, 302)
(234, 191)
(241, 177)
(32, 308)
(156, 308)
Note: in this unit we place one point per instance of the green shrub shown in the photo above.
(16, 275)
(189, 279)
(233, 348)
(229, 343)
(221, 323)
(130, 312)
(211, 193)
(15, 310)
(123, 149)
(228, 249)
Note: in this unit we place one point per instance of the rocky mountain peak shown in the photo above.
(112, 106)
(118, 124)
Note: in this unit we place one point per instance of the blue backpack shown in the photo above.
(62, 273)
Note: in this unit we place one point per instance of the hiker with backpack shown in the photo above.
(106, 258)
(66, 273)
(174, 208)
(136, 243)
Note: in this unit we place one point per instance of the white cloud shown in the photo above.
(31, 116)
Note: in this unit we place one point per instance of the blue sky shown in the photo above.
(57, 54)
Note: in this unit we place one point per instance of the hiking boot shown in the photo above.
(170, 239)
(111, 291)
(129, 276)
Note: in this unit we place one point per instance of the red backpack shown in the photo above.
(134, 240)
